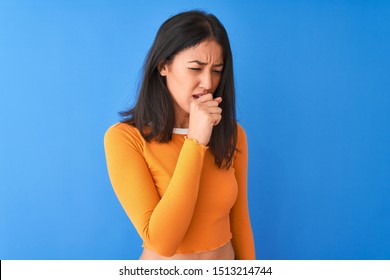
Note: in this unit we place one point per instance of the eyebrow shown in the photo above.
(204, 63)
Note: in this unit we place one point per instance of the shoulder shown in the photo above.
(123, 132)
(241, 136)
(240, 131)
(123, 129)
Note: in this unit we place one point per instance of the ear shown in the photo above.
(162, 68)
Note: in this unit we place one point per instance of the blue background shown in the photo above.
(313, 94)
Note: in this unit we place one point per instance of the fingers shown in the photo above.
(213, 110)
(214, 115)
(208, 97)
(210, 105)
(205, 113)
(218, 99)
(208, 100)
(205, 97)
(217, 120)
(209, 108)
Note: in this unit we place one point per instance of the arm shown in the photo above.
(161, 222)
(239, 216)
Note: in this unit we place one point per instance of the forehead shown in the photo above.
(206, 51)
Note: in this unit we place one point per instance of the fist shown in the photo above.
(205, 113)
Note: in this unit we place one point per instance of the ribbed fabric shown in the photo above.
(179, 201)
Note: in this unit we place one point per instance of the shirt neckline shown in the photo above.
(177, 130)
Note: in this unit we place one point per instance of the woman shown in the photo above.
(178, 160)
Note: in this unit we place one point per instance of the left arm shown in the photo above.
(240, 225)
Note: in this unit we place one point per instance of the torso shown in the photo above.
(225, 252)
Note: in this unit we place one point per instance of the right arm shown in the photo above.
(161, 222)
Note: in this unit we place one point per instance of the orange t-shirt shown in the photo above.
(179, 201)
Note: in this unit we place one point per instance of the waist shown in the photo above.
(225, 252)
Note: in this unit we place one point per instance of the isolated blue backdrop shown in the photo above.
(313, 94)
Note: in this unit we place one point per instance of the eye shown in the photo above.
(218, 71)
(194, 69)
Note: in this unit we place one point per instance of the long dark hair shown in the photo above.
(153, 113)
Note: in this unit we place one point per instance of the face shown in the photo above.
(193, 72)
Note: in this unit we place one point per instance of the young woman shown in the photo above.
(178, 160)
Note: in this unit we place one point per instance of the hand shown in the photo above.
(204, 115)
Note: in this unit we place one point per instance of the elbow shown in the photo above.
(166, 253)
(161, 249)
(162, 243)
(161, 246)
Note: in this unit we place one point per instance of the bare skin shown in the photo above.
(225, 252)
(192, 78)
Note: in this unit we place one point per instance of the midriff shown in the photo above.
(225, 252)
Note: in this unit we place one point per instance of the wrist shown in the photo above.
(194, 139)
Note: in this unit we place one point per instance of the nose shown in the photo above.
(206, 81)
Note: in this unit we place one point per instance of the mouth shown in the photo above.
(196, 96)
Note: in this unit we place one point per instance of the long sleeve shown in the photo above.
(161, 222)
(242, 240)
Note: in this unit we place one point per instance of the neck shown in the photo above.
(182, 119)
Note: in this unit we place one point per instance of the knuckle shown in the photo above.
(197, 106)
